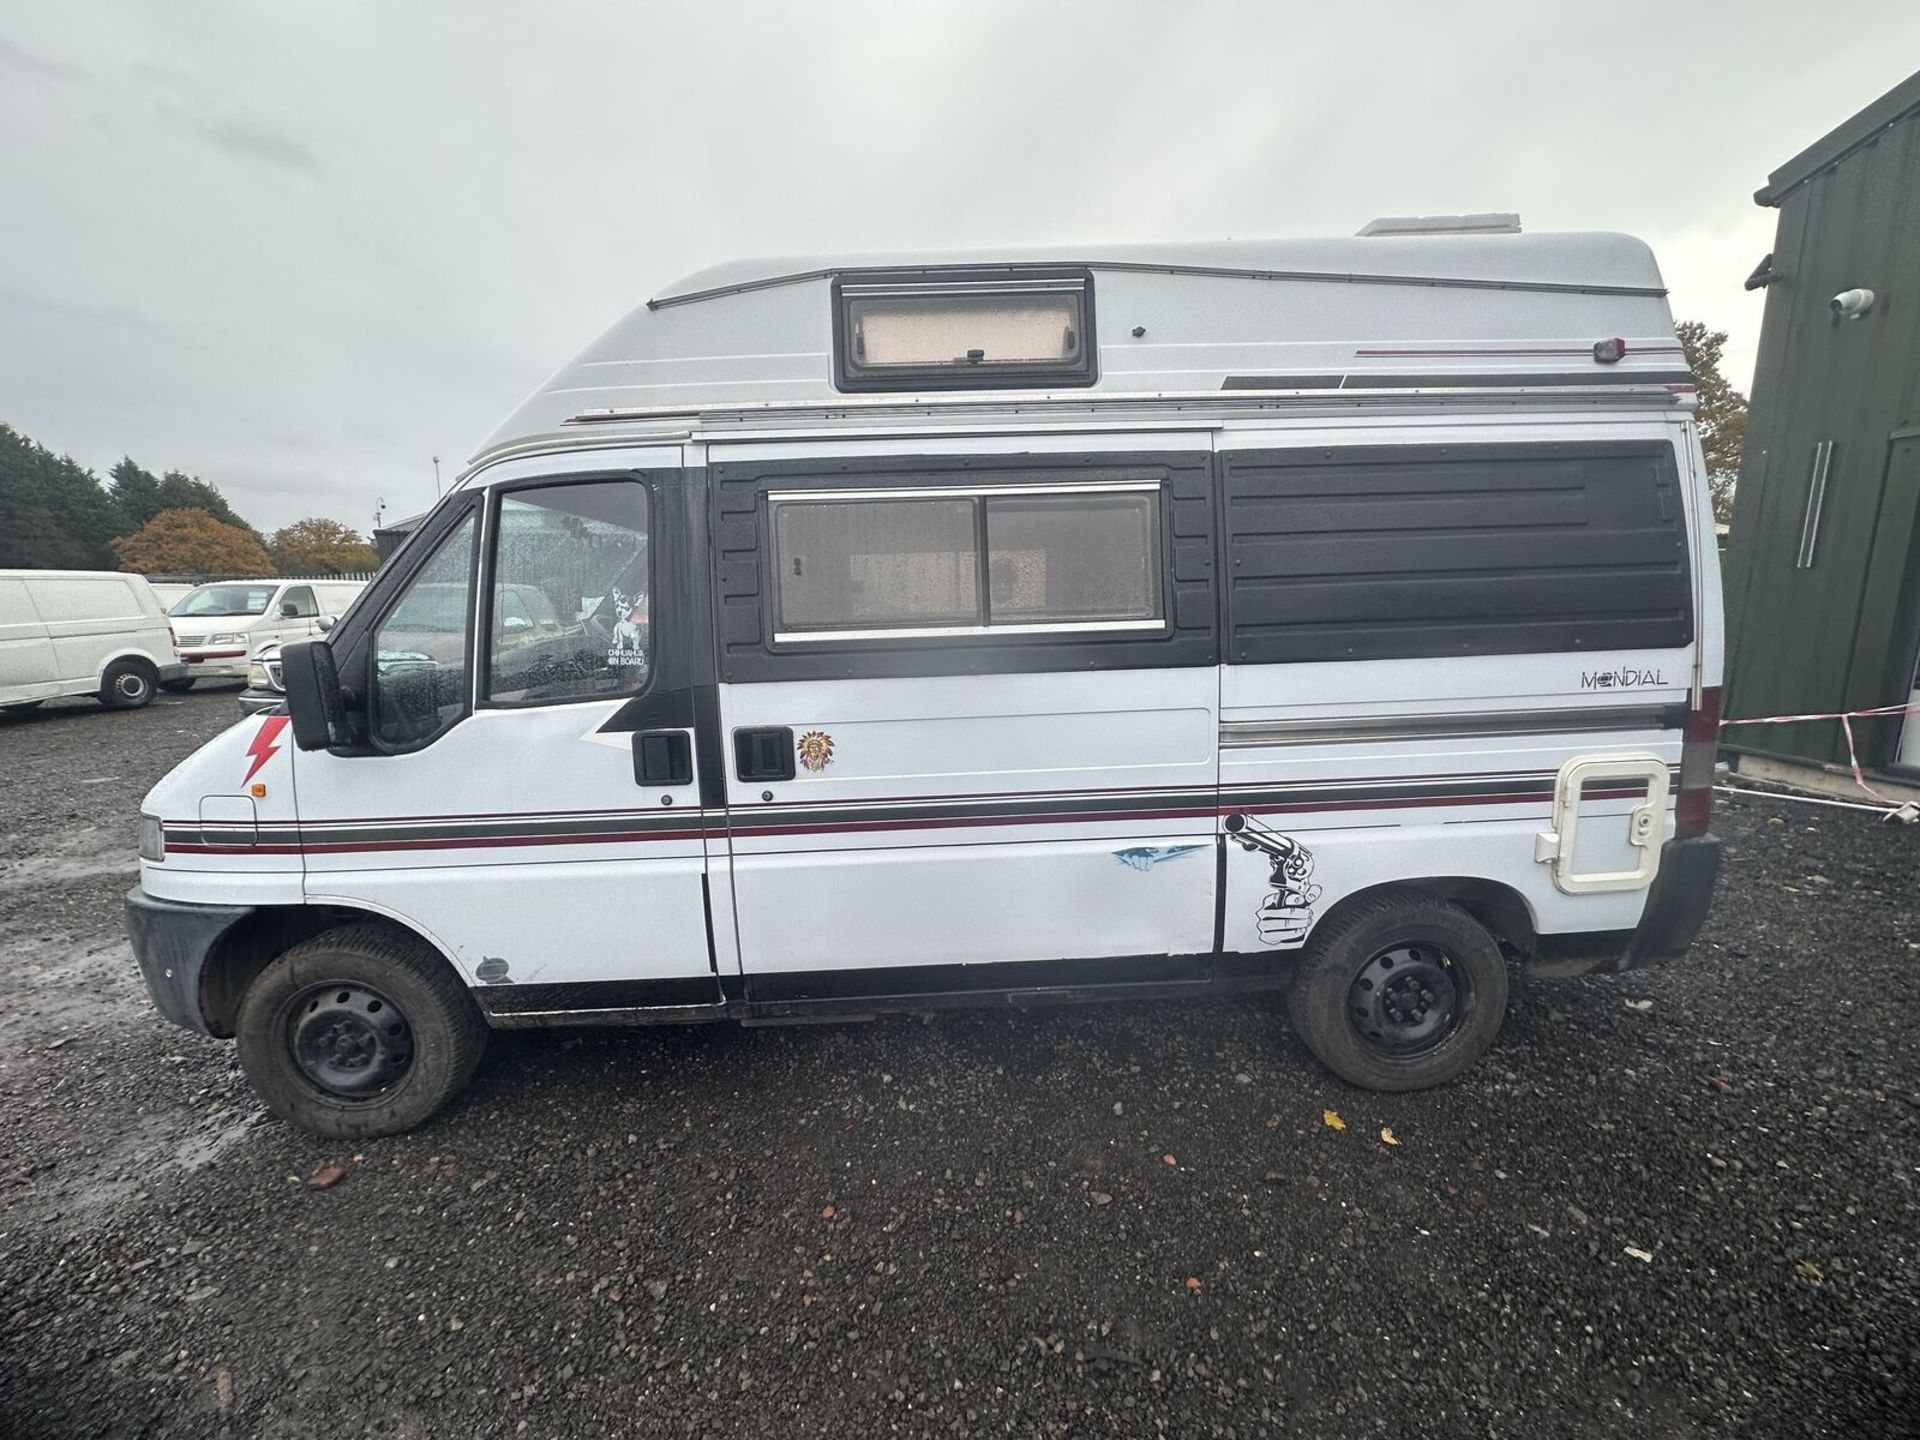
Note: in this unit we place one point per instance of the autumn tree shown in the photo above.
(192, 542)
(318, 546)
(1720, 409)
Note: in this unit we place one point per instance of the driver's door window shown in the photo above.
(420, 650)
(571, 578)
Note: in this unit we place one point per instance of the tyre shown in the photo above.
(360, 1031)
(177, 687)
(1401, 992)
(128, 684)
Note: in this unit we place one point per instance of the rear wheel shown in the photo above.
(1402, 992)
(360, 1031)
(128, 684)
(177, 687)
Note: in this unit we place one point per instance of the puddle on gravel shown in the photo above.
(142, 1159)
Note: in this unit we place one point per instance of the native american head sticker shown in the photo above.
(816, 750)
(1286, 912)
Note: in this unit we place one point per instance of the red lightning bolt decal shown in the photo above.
(264, 746)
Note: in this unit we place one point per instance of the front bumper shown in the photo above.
(258, 702)
(172, 940)
(207, 663)
(176, 671)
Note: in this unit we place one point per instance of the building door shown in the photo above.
(1901, 508)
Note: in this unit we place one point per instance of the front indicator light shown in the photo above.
(153, 839)
(257, 677)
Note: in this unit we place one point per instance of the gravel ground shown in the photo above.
(1694, 1219)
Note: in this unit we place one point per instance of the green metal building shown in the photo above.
(1823, 572)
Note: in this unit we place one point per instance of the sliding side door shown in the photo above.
(969, 705)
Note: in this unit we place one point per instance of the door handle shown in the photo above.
(662, 757)
(763, 754)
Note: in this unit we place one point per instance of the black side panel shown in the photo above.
(667, 702)
(706, 694)
(743, 580)
(1396, 552)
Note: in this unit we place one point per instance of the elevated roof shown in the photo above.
(1583, 261)
(1833, 147)
(1169, 321)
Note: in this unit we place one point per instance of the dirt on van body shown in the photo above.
(1675, 1203)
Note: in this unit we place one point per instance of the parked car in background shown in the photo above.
(222, 625)
(82, 632)
(265, 690)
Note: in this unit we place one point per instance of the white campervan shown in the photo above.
(82, 632)
(223, 625)
(1338, 617)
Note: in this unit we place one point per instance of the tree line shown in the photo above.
(56, 515)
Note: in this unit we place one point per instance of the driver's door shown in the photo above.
(536, 807)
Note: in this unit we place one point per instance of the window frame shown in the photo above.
(476, 548)
(496, 497)
(862, 284)
(980, 494)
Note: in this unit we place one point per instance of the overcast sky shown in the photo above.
(298, 249)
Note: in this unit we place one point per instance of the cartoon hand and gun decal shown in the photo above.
(1286, 914)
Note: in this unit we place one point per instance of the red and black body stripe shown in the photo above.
(924, 813)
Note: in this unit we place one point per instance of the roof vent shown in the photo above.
(1495, 222)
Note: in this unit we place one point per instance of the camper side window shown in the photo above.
(966, 562)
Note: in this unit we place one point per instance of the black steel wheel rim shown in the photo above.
(1408, 999)
(349, 1040)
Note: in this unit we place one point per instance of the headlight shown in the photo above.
(153, 840)
(226, 640)
(257, 677)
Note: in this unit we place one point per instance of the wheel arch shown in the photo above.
(252, 943)
(1502, 909)
(128, 653)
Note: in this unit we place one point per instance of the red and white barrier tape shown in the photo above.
(1846, 719)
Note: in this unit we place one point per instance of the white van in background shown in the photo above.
(221, 625)
(82, 632)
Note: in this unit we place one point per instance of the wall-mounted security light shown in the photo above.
(1851, 304)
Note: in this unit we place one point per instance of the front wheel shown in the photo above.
(360, 1031)
(1401, 992)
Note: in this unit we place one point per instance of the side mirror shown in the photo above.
(289, 610)
(327, 622)
(314, 702)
